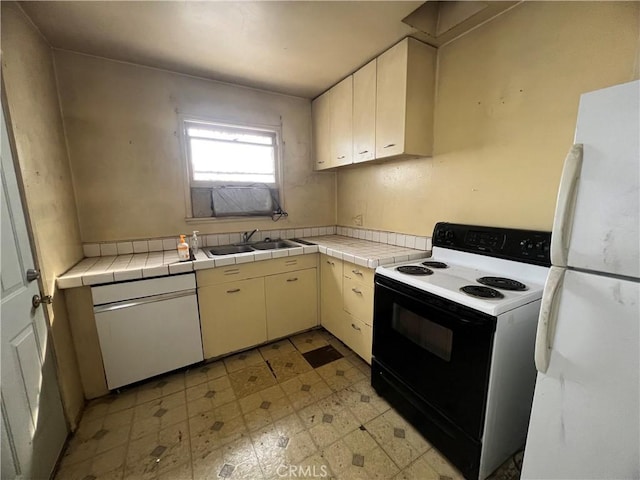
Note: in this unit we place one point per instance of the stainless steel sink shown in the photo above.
(274, 245)
(227, 250)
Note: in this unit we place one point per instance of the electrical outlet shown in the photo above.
(357, 220)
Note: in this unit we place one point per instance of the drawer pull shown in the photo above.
(389, 145)
(340, 157)
(353, 325)
(357, 272)
(234, 271)
(330, 263)
(356, 290)
(294, 279)
(320, 161)
(363, 152)
(235, 290)
(291, 262)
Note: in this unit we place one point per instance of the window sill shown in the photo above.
(191, 220)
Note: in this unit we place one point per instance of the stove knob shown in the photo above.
(448, 235)
(526, 244)
(542, 246)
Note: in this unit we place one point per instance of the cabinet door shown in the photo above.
(320, 112)
(232, 316)
(292, 302)
(364, 113)
(331, 311)
(342, 123)
(391, 97)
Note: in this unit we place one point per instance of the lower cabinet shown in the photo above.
(292, 302)
(346, 303)
(245, 305)
(232, 316)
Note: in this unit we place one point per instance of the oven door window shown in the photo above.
(423, 332)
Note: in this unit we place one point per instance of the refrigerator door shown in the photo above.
(604, 226)
(584, 420)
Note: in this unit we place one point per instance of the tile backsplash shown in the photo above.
(212, 240)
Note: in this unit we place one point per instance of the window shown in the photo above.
(233, 170)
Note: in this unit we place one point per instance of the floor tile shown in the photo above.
(157, 414)
(328, 420)
(251, 380)
(265, 407)
(288, 365)
(157, 453)
(363, 401)
(276, 349)
(234, 460)
(204, 373)
(243, 360)
(261, 414)
(397, 438)
(308, 341)
(206, 396)
(306, 389)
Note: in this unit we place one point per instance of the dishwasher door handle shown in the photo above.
(109, 307)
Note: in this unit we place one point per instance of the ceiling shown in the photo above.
(298, 47)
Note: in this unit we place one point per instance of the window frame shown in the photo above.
(189, 183)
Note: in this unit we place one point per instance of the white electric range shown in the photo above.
(454, 337)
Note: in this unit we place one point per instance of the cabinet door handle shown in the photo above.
(353, 325)
(340, 157)
(355, 290)
(390, 145)
(330, 263)
(294, 279)
(363, 152)
(357, 272)
(235, 290)
(320, 161)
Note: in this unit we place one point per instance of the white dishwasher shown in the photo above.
(147, 327)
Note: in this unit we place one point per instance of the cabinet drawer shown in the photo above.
(358, 300)
(359, 338)
(233, 273)
(289, 264)
(358, 273)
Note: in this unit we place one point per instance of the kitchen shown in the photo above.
(100, 161)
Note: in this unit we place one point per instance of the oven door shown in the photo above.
(439, 349)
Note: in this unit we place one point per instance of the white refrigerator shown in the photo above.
(585, 421)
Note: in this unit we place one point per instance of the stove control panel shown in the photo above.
(512, 244)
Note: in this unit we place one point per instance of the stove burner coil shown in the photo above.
(414, 270)
(502, 283)
(433, 264)
(481, 292)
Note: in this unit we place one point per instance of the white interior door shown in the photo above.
(33, 424)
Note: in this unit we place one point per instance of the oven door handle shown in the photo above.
(454, 319)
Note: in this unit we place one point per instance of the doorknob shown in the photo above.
(36, 300)
(32, 274)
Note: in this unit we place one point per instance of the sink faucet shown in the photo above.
(246, 236)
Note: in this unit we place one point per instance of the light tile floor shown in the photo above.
(242, 417)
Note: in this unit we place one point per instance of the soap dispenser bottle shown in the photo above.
(183, 250)
(194, 245)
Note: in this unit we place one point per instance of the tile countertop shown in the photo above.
(110, 269)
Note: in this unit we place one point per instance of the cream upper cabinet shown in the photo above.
(341, 120)
(292, 302)
(364, 113)
(404, 100)
(320, 112)
(332, 114)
